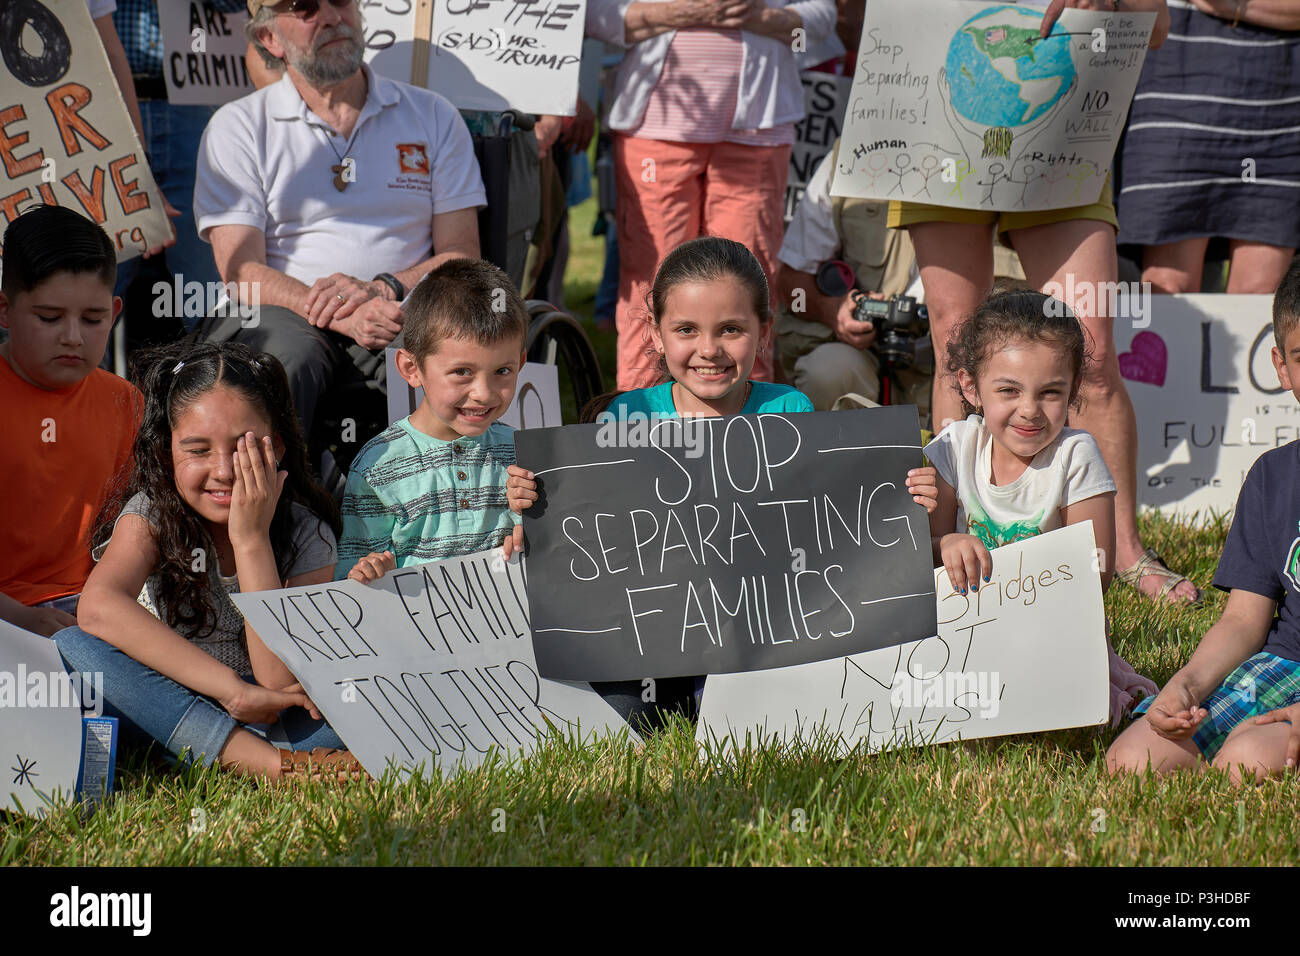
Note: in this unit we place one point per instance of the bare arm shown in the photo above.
(943, 519)
(1274, 14)
(240, 254)
(455, 236)
(817, 307)
(645, 20)
(110, 611)
(1234, 637)
(1159, 30)
(1100, 510)
(774, 22)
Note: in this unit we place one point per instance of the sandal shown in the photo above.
(323, 763)
(1151, 564)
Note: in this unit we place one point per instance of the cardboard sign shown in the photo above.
(959, 103)
(429, 669)
(203, 52)
(1024, 653)
(40, 723)
(203, 49)
(672, 547)
(536, 403)
(66, 138)
(1208, 401)
(824, 100)
(508, 54)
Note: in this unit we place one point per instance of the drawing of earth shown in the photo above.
(1000, 73)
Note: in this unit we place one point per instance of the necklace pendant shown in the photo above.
(339, 182)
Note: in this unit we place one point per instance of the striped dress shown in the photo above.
(1213, 140)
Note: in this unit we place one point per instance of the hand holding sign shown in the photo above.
(675, 547)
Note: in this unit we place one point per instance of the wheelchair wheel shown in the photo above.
(557, 338)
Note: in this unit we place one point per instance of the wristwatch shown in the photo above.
(390, 280)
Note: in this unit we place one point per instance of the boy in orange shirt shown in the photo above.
(68, 424)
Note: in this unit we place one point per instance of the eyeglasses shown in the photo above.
(306, 9)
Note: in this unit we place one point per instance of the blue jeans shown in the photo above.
(190, 726)
(172, 136)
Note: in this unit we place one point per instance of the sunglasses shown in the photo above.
(306, 9)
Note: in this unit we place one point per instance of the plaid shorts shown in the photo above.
(1264, 682)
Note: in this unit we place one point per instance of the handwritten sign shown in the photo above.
(203, 52)
(824, 100)
(203, 49)
(1208, 401)
(430, 667)
(967, 106)
(40, 723)
(1024, 653)
(65, 136)
(508, 54)
(536, 403)
(670, 547)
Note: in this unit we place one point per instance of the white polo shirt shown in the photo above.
(265, 161)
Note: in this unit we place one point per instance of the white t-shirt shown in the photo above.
(101, 8)
(265, 161)
(1067, 471)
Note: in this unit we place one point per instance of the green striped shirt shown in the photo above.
(424, 499)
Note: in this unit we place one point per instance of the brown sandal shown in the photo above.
(323, 763)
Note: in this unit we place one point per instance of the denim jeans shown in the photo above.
(172, 136)
(190, 726)
(67, 604)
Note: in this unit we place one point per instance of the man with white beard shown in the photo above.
(335, 190)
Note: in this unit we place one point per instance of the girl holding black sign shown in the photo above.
(709, 319)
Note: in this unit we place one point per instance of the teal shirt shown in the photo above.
(425, 499)
(657, 402)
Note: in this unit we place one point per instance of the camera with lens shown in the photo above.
(898, 322)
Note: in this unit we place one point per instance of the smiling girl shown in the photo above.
(219, 499)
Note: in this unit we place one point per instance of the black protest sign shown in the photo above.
(66, 138)
(670, 547)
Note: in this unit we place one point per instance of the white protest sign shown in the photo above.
(432, 666)
(40, 723)
(1207, 398)
(203, 49)
(959, 103)
(536, 403)
(203, 52)
(508, 54)
(824, 99)
(65, 136)
(1024, 653)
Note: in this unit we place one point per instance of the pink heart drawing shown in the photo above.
(1146, 359)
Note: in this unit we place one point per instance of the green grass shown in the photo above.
(1029, 799)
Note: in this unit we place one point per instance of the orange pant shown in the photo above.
(671, 192)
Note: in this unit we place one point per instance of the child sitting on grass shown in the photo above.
(1236, 704)
(68, 423)
(433, 485)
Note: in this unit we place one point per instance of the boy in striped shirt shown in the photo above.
(433, 485)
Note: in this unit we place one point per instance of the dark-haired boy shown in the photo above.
(68, 423)
(433, 485)
(1236, 703)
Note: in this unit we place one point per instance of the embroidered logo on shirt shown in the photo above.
(413, 158)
